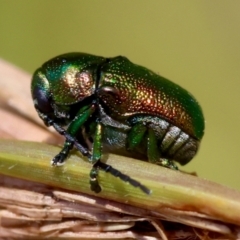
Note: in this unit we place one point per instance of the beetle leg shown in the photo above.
(49, 122)
(59, 159)
(96, 156)
(135, 136)
(96, 160)
(84, 151)
(153, 152)
(72, 130)
(167, 163)
(152, 147)
(124, 177)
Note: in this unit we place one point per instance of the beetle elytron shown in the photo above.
(112, 105)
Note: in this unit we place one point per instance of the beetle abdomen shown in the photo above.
(173, 143)
(178, 145)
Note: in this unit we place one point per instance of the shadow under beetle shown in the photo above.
(112, 105)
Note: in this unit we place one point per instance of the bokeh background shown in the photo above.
(193, 43)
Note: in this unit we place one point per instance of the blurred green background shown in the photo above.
(193, 43)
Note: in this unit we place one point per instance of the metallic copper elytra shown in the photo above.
(140, 96)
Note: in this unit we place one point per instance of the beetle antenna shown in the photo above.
(124, 177)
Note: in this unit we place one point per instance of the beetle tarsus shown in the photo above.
(94, 184)
(58, 160)
(167, 163)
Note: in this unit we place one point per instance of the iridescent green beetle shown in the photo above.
(112, 105)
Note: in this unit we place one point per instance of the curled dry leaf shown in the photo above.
(38, 201)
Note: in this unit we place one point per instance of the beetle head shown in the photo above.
(63, 82)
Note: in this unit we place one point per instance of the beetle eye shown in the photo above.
(41, 100)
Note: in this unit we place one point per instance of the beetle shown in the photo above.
(113, 105)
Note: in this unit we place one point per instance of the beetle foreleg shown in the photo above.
(60, 157)
(84, 151)
(70, 134)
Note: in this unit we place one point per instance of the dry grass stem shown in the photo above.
(38, 201)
